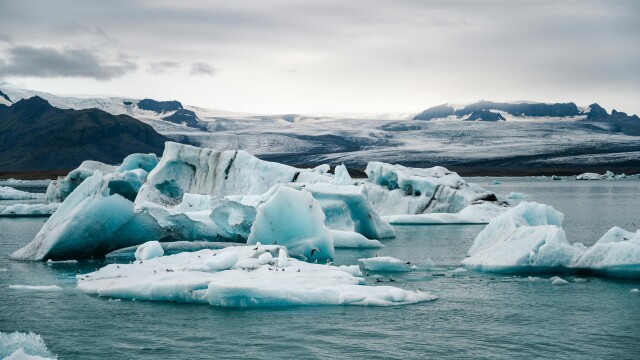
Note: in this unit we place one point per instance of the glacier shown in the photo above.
(241, 277)
(530, 238)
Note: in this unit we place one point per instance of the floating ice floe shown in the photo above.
(385, 264)
(473, 214)
(36, 287)
(517, 196)
(21, 346)
(530, 238)
(28, 209)
(241, 277)
(556, 280)
(590, 176)
(9, 193)
(353, 240)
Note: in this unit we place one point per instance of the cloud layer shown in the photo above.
(329, 55)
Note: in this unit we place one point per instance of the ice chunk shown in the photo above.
(342, 176)
(171, 248)
(188, 169)
(473, 214)
(59, 189)
(353, 240)
(347, 208)
(232, 218)
(28, 209)
(634, 291)
(9, 193)
(590, 176)
(222, 261)
(92, 221)
(384, 264)
(292, 218)
(517, 196)
(265, 258)
(19, 345)
(146, 162)
(556, 280)
(525, 237)
(399, 190)
(283, 258)
(184, 277)
(36, 287)
(149, 250)
(616, 253)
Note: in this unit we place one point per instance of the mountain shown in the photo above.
(37, 136)
(146, 109)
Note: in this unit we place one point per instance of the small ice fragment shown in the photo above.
(265, 258)
(634, 291)
(222, 261)
(580, 280)
(556, 280)
(283, 258)
(533, 278)
(458, 270)
(149, 250)
(36, 287)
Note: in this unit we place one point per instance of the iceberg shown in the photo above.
(384, 264)
(590, 176)
(530, 238)
(9, 193)
(353, 240)
(149, 250)
(473, 214)
(292, 218)
(36, 287)
(209, 277)
(399, 192)
(517, 196)
(18, 210)
(59, 189)
(170, 248)
(18, 345)
(616, 253)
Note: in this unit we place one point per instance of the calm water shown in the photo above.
(477, 315)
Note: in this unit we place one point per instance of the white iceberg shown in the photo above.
(149, 250)
(527, 237)
(185, 277)
(616, 253)
(556, 280)
(28, 209)
(36, 287)
(384, 264)
(590, 176)
(473, 214)
(9, 193)
(18, 346)
(517, 195)
(530, 238)
(400, 192)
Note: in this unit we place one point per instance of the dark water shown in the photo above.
(476, 316)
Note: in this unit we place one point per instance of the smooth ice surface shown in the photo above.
(384, 264)
(28, 209)
(353, 240)
(149, 250)
(292, 218)
(18, 345)
(208, 276)
(9, 193)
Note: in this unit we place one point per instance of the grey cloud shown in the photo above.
(200, 68)
(164, 66)
(48, 62)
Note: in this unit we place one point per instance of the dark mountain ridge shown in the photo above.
(37, 136)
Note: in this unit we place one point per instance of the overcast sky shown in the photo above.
(296, 56)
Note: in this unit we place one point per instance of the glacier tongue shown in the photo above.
(241, 277)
